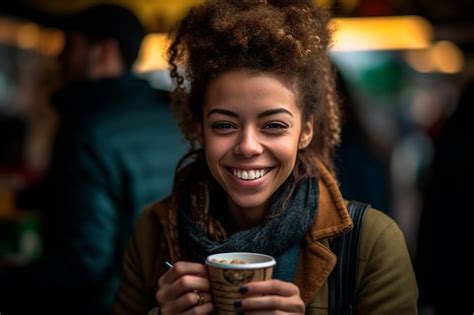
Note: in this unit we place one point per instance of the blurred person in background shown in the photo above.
(444, 260)
(115, 152)
(361, 172)
(14, 171)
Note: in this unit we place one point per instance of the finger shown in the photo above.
(273, 303)
(207, 308)
(263, 313)
(271, 312)
(181, 287)
(202, 297)
(186, 284)
(272, 287)
(182, 268)
(187, 302)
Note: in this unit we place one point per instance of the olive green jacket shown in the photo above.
(386, 282)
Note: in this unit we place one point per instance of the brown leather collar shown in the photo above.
(316, 260)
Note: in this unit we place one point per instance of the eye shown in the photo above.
(275, 126)
(223, 127)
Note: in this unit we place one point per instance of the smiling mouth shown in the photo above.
(252, 174)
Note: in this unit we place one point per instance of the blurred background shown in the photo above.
(402, 66)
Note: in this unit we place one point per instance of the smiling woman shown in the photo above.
(252, 131)
(262, 116)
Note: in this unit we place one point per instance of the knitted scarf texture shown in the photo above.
(202, 234)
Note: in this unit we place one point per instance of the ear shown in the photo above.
(306, 133)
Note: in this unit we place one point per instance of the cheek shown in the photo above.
(216, 148)
(288, 154)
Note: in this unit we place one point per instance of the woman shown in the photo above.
(257, 97)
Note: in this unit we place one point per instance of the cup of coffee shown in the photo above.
(228, 272)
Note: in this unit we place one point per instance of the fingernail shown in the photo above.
(237, 304)
(244, 289)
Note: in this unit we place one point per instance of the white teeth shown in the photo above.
(249, 174)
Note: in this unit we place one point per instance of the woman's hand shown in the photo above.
(185, 289)
(271, 297)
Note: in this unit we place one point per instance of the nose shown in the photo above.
(248, 144)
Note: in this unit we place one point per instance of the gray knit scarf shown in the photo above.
(279, 231)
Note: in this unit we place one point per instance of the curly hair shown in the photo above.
(285, 38)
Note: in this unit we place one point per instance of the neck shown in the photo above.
(245, 218)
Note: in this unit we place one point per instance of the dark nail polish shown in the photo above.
(237, 304)
(244, 289)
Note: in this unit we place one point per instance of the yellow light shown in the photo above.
(323, 3)
(152, 54)
(442, 57)
(447, 57)
(7, 31)
(419, 60)
(28, 36)
(381, 33)
(351, 34)
(51, 41)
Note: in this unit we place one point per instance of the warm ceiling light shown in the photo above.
(152, 54)
(442, 57)
(28, 36)
(381, 33)
(419, 60)
(51, 41)
(447, 57)
(351, 34)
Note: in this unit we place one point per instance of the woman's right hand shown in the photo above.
(185, 289)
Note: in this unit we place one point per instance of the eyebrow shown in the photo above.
(223, 112)
(274, 111)
(261, 115)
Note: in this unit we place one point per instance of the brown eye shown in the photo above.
(222, 126)
(275, 126)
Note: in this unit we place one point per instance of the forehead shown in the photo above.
(248, 91)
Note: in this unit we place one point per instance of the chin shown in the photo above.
(249, 201)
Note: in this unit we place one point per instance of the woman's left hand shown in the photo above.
(271, 297)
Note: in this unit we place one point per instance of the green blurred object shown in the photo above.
(20, 239)
(386, 77)
(377, 78)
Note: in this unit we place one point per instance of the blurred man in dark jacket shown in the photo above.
(115, 152)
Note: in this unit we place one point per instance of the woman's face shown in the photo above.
(252, 130)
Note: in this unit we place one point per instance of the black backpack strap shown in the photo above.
(342, 281)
